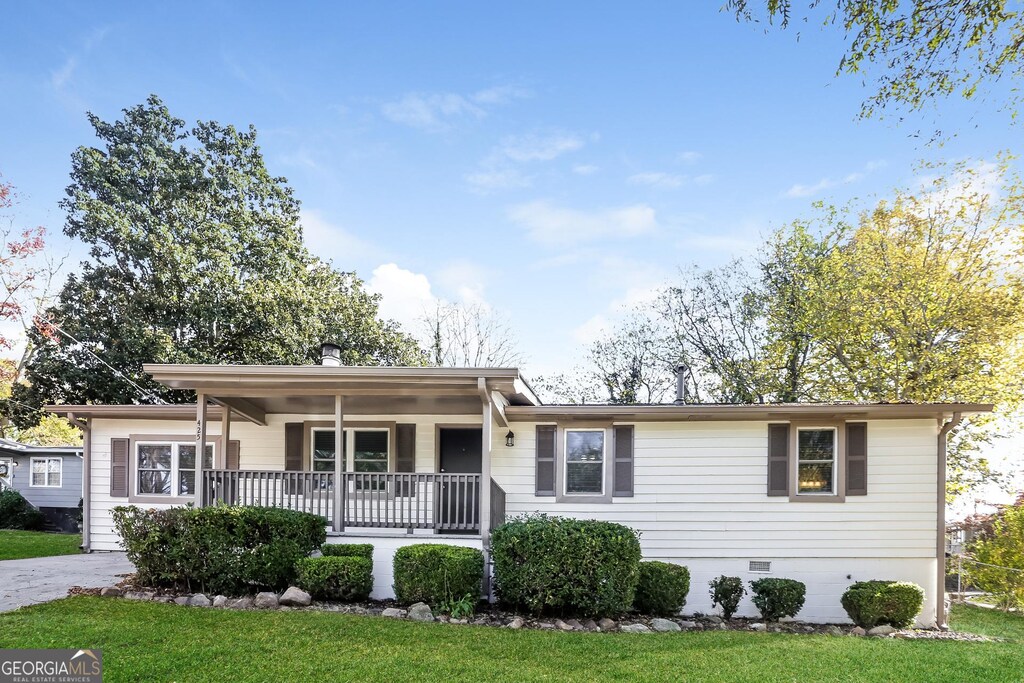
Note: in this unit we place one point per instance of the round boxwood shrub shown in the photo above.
(435, 573)
(231, 550)
(726, 592)
(871, 603)
(346, 578)
(662, 588)
(566, 565)
(778, 598)
(18, 513)
(347, 550)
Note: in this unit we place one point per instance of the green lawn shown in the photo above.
(15, 545)
(159, 642)
(989, 622)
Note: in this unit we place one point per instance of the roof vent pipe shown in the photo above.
(330, 355)
(682, 370)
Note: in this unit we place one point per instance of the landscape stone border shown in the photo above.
(297, 599)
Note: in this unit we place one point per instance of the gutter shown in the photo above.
(86, 428)
(940, 521)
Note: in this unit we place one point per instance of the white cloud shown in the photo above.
(525, 148)
(585, 169)
(498, 179)
(800, 190)
(704, 179)
(330, 241)
(436, 112)
(689, 157)
(405, 296)
(61, 76)
(592, 330)
(555, 225)
(657, 179)
(466, 281)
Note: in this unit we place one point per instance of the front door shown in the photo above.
(460, 452)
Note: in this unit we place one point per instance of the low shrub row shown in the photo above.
(231, 550)
(18, 513)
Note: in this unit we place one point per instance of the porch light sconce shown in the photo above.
(510, 439)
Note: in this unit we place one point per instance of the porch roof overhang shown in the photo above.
(725, 412)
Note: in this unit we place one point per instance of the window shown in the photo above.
(369, 448)
(166, 469)
(46, 472)
(323, 450)
(816, 459)
(584, 461)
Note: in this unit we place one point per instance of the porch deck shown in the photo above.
(443, 502)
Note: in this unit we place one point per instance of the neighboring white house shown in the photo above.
(826, 494)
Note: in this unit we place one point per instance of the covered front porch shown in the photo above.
(406, 450)
(442, 503)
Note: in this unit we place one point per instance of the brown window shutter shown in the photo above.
(119, 468)
(231, 461)
(856, 458)
(293, 446)
(623, 474)
(545, 481)
(405, 456)
(778, 460)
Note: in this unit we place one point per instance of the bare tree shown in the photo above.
(471, 336)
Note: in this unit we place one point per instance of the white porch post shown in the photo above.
(200, 447)
(225, 438)
(339, 464)
(485, 466)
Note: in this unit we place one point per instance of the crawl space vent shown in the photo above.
(760, 567)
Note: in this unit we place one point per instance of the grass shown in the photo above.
(144, 641)
(17, 545)
(988, 622)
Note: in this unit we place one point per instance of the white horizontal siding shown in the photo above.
(700, 500)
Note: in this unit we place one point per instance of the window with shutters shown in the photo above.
(584, 461)
(46, 472)
(816, 460)
(168, 468)
(365, 450)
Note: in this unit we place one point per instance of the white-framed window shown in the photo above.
(46, 472)
(168, 468)
(584, 461)
(816, 460)
(366, 450)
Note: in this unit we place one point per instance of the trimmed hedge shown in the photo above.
(18, 513)
(436, 573)
(346, 578)
(662, 588)
(871, 603)
(778, 598)
(231, 550)
(347, 550)
(566, 565)
(727, 591)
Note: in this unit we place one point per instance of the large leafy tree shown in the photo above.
(196, 257)
(915, 51)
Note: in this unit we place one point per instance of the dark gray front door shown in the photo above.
(461, 452)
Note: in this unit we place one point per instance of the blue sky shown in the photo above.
(557, 161)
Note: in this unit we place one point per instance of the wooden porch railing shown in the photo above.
(442, 502)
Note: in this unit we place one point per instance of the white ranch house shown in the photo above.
(826, 494)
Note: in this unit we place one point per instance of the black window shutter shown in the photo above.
(856, 458)
(293, 446)
(119, 468)
(405, 456)
(623, 472)
(778, 460)
(545, 481)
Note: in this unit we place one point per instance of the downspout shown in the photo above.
(940, 522)
(86, 479)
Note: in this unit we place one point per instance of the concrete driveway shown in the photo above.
(41, 579)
